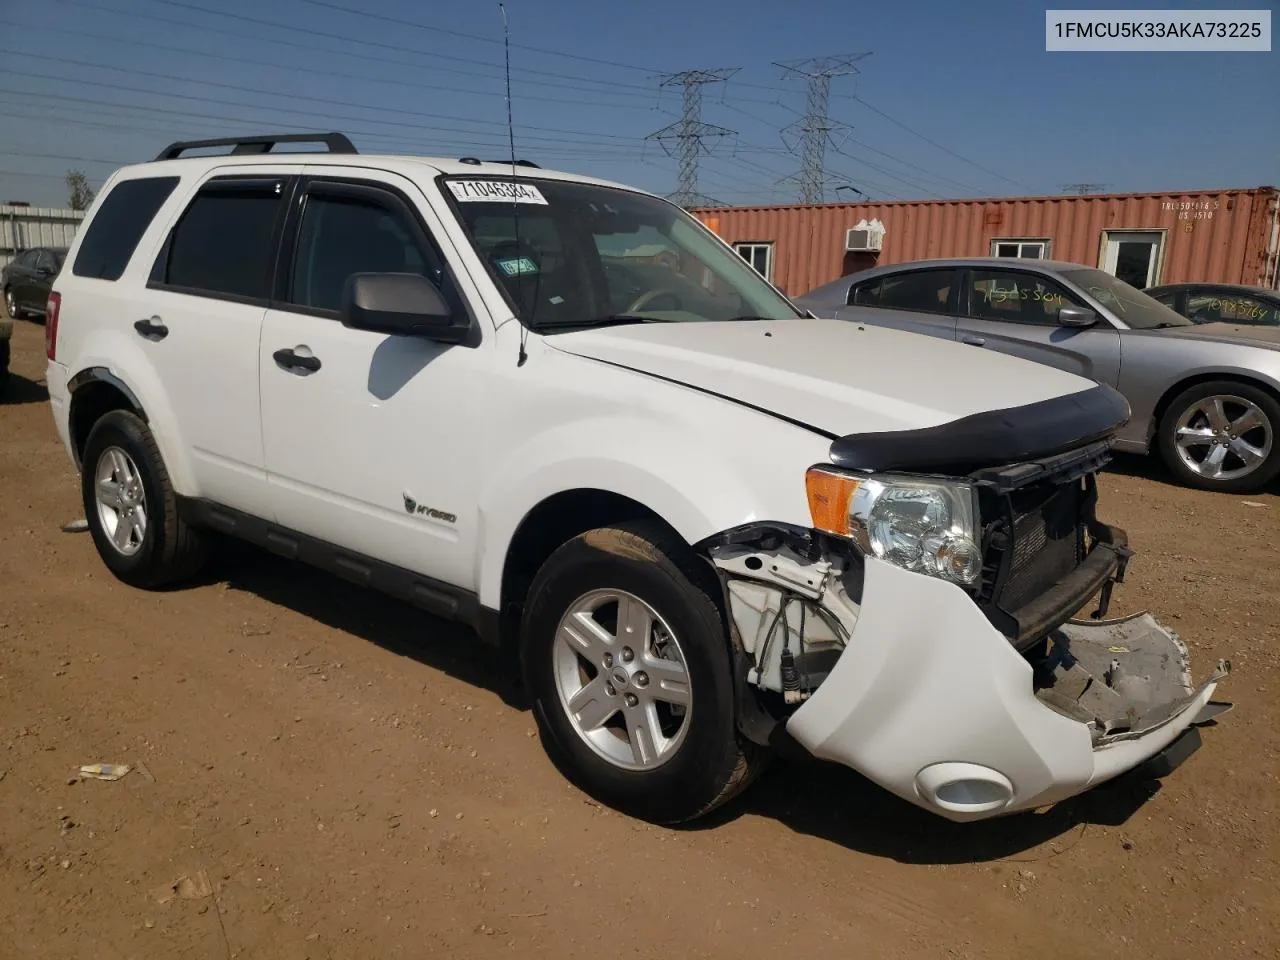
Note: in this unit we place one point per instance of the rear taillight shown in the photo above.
(52, 310)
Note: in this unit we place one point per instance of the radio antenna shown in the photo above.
(521, 356)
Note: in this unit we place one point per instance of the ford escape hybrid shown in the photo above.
(563, 412)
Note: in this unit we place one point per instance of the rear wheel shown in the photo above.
(1221, 435)
(11, 305)
(131, 507)
(626, 659)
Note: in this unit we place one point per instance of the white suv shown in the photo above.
(564, 412)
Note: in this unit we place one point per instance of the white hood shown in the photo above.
(831, 375)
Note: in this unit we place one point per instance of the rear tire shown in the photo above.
(1222, 435)
(657, 738)
(131, 507)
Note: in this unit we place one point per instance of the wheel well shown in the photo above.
(1163, 404)
(552, 523)
(89, 404)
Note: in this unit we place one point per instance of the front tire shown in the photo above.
(627, 662)
(1221, 435)
(131, 507)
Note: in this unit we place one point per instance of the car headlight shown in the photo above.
(921, 524)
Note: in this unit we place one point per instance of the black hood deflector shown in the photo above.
(991, 438)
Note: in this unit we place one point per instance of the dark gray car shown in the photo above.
(27, 280)
(1206, 397)
(1220, 302)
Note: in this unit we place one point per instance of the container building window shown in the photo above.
(759, 255)
(1037, 249)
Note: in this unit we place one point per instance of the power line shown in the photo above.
(814, 130)
(469, 36)
(295, 28)
(690, 132)
(947, 150)
(170, 48)
(625, 89)
(1083, 188)
(272, 93)
(100, 106)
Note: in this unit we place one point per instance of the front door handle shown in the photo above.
(301, 364)
(151, 329)
(974, 341)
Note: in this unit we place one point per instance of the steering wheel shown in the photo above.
(645, 299)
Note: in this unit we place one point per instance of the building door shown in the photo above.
(1132, 257)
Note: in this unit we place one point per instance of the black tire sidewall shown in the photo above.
(691, 780)
(128, 432)
(1168, 448)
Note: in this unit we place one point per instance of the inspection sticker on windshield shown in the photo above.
(496, 191)
(517, 266)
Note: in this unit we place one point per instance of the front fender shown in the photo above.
(694, 481)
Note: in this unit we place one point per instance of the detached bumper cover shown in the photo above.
(934, 704)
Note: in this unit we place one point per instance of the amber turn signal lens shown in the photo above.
(830, 494)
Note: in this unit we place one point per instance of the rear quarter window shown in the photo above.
(114, 231)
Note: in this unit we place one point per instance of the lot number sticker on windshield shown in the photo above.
(495, 191)
(517, 266)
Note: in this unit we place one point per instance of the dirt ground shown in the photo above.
(336, 775)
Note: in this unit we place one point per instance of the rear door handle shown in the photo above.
(974, 341)
(151, 329)
(289, 359)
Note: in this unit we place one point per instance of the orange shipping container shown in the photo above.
(1228, 236)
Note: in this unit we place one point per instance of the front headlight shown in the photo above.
(921, 524)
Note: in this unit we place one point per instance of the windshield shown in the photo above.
(1130, 305)
(577, 255)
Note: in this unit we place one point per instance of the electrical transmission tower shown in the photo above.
(1083, 188)
(810, 135)
(689, 132)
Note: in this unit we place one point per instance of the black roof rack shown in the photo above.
(475, 162)
(336, 143)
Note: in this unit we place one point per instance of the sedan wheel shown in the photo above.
(11, 305)
(1222, 436)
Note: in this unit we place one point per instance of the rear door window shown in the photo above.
(114, 231)
(224, 244)
(924, 291)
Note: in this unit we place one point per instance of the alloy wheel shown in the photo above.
(1223, 437)
(622, 679)
(121, 501)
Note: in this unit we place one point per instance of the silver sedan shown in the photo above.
(1205, 397)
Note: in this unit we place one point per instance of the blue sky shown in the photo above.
(957, 99)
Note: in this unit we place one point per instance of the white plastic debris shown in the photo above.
(76, 526)
(104, 771)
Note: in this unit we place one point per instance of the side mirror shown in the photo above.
(1077, 317)
(404, 304)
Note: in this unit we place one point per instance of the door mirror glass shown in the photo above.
(1077, 317)
(405, 304)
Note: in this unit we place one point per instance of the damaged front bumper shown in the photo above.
(928, 699)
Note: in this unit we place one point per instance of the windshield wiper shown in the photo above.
(748, 316)
(609, 320)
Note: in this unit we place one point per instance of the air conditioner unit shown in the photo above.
(864, 237)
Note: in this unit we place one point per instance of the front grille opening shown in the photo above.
(1035, 537)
